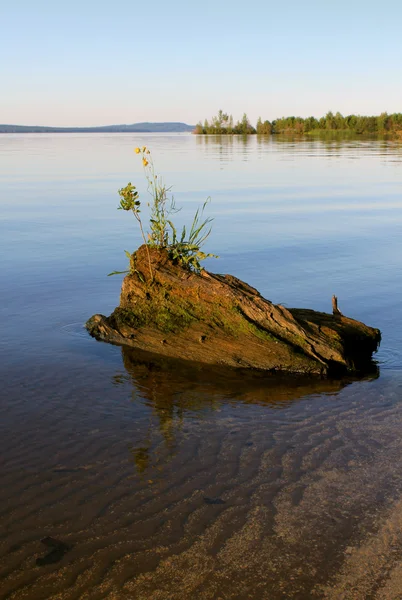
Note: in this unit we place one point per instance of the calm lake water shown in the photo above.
(172, 481)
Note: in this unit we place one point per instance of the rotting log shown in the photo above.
(219, 319)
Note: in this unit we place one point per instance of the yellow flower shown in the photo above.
(144, 162)
(144, 148)
(137, 150)
(148, 151)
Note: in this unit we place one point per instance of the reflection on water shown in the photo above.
(154, 480)
(290, 147)
(175, 390)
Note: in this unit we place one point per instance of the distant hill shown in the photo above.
(134, 128)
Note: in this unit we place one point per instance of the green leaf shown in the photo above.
(118, 272)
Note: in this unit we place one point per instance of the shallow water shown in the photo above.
(175, 481)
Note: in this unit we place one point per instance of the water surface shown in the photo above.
(176, 481)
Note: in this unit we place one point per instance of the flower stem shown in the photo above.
(146, 245)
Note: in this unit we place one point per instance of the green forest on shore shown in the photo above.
(384, 124)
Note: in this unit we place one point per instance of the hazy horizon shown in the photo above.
(96, 125)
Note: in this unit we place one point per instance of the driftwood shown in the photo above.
(218, 319)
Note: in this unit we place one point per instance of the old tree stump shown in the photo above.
(218, 319)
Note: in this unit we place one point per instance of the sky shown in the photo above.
(88, 63)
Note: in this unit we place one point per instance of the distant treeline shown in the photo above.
(223, 123)
(358, 124)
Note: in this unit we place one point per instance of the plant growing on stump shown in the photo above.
(129, 201)
(184, 248)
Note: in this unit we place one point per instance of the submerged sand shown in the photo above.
(175, 487)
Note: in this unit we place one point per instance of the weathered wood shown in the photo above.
(218, 319)
(335, 309)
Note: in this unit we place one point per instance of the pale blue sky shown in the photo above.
(123, 61)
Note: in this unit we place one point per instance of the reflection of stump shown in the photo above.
(335, 309)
